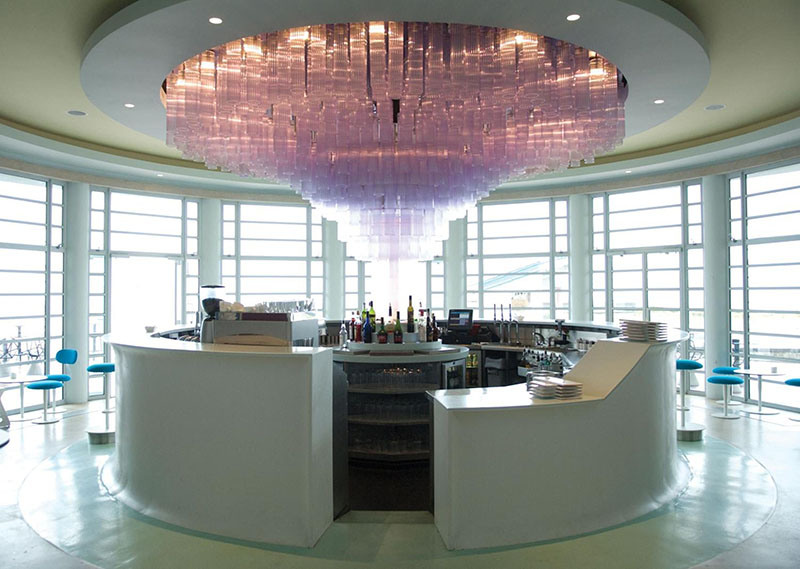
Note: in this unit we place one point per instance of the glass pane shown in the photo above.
(516, 245)
(644, 198)
(645, 237)
(272, 231)
(140, 203)
(14, 186)
(22, 234)
(522, 210)
(22, 210)
(20, 260)
(145, 224)
(774, 226)
(773, 179)
(286, 214)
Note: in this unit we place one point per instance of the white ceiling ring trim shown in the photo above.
(126, 59)
(29, 153)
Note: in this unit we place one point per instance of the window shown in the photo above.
(143, 266)
(518, 255)
(31, 279)
(764, 287)
(272, 252)
(647, 261)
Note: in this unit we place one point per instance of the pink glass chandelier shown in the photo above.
(393, 129)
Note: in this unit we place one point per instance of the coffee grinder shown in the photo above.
(211, 302)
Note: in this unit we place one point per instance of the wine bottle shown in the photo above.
(410, 321)
(398, 330)
(367, 331)
(364, 313)
(359, 324)
(429, 328)
(371, 315)
(353, 327)
(383, 337)
(390, 312)
(435, 330)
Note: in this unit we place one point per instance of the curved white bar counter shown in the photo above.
(510, 469)
(225, 439)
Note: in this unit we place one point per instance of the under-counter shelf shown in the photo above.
(382, 388)
(390, 456)
(360, 420)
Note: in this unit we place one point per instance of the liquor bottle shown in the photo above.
(429, 328)
(383, 337)
(410, 321)
(435, 330)
(364, 313)
(398, 330)
(343, 334)
(371, 315)
(367, 331)
(421, 330)
(359, 324)
(421, 311)
(390, 312)
(352, 335)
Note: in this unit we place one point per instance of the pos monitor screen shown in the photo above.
(460, 319)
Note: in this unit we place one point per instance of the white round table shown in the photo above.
(21, 381)
(759, 374)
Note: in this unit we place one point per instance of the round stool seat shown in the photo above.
(104, 367)
(688, 365)
(58, 377)
(45, 384)
(724, 370)
(725, 380)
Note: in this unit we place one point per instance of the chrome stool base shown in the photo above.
(691, 432)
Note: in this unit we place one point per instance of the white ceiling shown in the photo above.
(95, 54)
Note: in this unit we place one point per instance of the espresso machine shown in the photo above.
(280, 326)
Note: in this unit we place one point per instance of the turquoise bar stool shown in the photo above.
(45, 386)
(105, 368)
(726, 381)
(104, 434)
(54, 381)
(794, 382)
(726, 370)
(691, 431)
(685, 366)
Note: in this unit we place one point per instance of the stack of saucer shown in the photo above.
(642, 331)
(543, 387)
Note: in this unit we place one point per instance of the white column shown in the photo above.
(210, 244)
(580, 259)
(76, 287)
(455, 266)
(715, 277)
(333, 255)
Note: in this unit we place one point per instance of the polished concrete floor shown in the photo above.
(735, 513)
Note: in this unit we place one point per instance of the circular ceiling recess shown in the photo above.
(128, 57)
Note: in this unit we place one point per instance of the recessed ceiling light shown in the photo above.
(76, 113)
(128, 105)
(160, 175)
(214, 20)
(573, 17)
(658, 102)
(716, 107)
(628, 171)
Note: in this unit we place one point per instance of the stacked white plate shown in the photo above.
(543, 387)
(643, 331)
